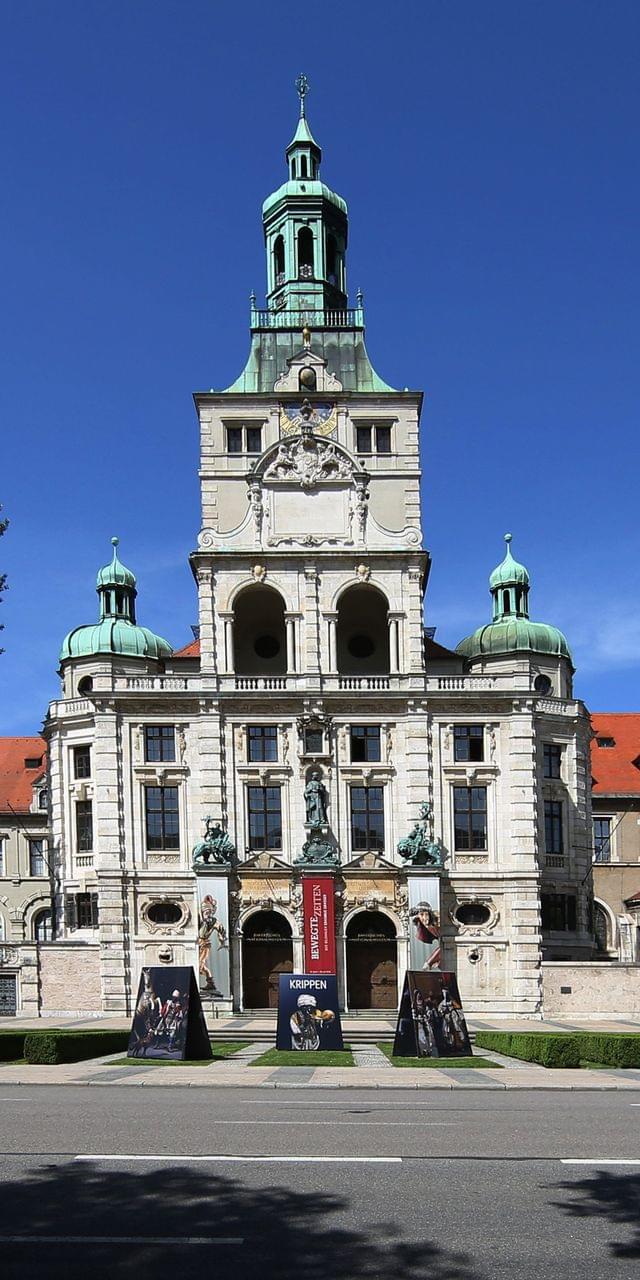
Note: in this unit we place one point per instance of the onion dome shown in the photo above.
(512, 630)
(117, 631)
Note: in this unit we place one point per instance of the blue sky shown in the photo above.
(489, 156)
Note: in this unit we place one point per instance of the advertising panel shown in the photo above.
(319, 924)
(308, 1013)
(168, 1022)
(213, 936)
(431, 1023)
(424, 917)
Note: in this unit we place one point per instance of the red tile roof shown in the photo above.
(16, 781)
(613, 768)
(190, 650)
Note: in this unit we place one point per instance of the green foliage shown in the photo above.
(53, 1046)
(11, 1045)
(566, 1049)
(445, 1064)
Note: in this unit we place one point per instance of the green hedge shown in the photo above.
(53, 1046)
(568, 1049)
(11, 1045)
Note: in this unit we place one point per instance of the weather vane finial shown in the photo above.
(302, 85)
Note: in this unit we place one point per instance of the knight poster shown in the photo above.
(168, 1022)
(431, 1022)
(308, 1012)
(213, 937)
(424, 918)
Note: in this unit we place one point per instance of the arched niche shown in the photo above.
(259, 640)
(363, 632)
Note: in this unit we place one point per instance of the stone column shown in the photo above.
(332, 622)
(290, 624)
(228, 642)
(393, 644)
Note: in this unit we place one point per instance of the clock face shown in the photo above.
(322, 420)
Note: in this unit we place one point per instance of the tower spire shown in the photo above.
(302, 86)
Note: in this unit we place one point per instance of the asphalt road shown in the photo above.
(304, 1185)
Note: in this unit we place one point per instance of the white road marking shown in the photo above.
(179, 1240)
(607, 1160)
(246, 1159)
(358, 1124)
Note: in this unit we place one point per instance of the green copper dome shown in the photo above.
(512, 630)
(513, 634)
(117, 631)
(115, 573)
(509, 572)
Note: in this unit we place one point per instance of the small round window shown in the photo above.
(164, 913)
(361, 646)
(85, 685)
(267, 646)
(472, 913)
(542, 684)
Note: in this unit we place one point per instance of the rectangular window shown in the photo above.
(313, 740)
(383, 439)
(84, 826)
(265, 818)
(552, 760)
(1, 856)
(37, 860)
(553, 837)
(367, 819)
(602, 839)
(263, 742)
(234, 439)
(81, 911)
(468, 742)
(82, 762)
(559, 913)
(363, 439)
(254, 439)
(159, 742)
(470, 817)
(365, 742)
(162, 822)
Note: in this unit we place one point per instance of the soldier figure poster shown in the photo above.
(308, 1013)
(431, 1023)
(168, 1022)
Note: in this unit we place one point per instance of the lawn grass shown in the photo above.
(220, 1052)
(442, 1063)
(301, 1058)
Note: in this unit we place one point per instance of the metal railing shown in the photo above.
(350, 318)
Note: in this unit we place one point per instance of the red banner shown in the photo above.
(319, 924)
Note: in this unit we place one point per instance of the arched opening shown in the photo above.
(307, 380)
(506, 602)
(602, 930)
(303, 167)
(293, 167)
(305, 253)
(267, 951)
(259, 641)
(332, 260)
(42, 931)
(278, 260)
(363, 632)
(372, 962)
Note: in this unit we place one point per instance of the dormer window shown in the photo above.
(606, 742)
(33, 762)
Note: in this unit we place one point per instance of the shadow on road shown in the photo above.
(614, 1196)
(287, 1233)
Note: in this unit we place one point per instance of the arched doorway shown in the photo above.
(372, 962)
(267, 951)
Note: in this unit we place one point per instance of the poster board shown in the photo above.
(213, 936)
(319, 924)
(168, 1022)
(424, 921)
(431, 1022)
(308, 1013)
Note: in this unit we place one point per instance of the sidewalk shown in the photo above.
(235, 1075)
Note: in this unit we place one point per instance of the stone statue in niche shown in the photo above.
(418, 848)
(315, 798)
(217, 847)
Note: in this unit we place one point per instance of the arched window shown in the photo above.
(303, 166)
(43, 799)
(332, 260)
(305, 253)
(278, 260)
(506, 602)
(600, 927)
(363, 632)
(293, 168)
(42, 931)
(259, 632)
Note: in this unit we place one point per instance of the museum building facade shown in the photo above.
(314, 731)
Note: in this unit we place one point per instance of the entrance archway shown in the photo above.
(267, 951)
(372, 962)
